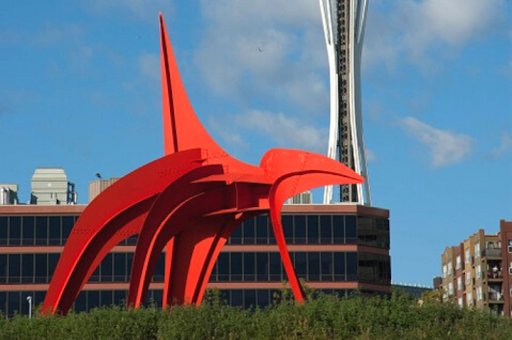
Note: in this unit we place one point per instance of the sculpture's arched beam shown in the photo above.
(118, 229)
(188, 214)
(174, 196)
(134, 188)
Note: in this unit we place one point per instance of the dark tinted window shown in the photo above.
(325, 229)
(314, 266)
(249, 267)
(300, 229)
(262, 229)
(3, 269)
(54, 230)
(287, 222)
(326, 266)
(338, 227)
(14, 268)
(3, 230)
(339, 266)
(223, 267)
(350, 229)
(248, 236)
(262, 266)
(28, 230)
(41, 264)
(41, 230)
(351, 266)
(67, 225)
(236, 266)
(275, 267)
(313, 234)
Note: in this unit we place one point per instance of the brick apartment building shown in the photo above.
(477, 273)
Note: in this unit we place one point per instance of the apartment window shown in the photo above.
(479, 294)
(477, 250)
(510, 268)
(461, 302)
(510, 246)
(459, 283)
(479, 272)
(468, 256)
(458, 263)
(450, 289)
(469, 299)
(468, 278)
(445, 270)
(450, 268)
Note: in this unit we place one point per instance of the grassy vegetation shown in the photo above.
(326, 317)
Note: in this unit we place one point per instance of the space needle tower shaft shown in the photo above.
(343, 22)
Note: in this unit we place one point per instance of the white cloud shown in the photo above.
(288, 132)
(264, 48)
(446, 147)
(411, 28)
(504, 147)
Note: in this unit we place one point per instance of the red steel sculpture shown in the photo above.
(187, 203)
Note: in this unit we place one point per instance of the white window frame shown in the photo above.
(477, 250)
(479, 272)
(458, 263)
(459, 284)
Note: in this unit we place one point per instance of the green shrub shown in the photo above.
(325, 317)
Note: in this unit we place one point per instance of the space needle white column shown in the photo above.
(343, 22)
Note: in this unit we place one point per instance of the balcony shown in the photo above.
(495, 297)
(492, 252)
(495, 275)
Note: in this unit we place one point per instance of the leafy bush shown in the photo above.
(326, 317)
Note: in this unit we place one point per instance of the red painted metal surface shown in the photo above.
(187, 203)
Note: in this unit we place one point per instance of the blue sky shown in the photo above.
(79, 88)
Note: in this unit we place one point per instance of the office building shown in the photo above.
(335, 248)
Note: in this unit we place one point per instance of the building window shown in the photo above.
(469, 299)
(468, 257)
(445, 270)
(459, 284)
(458, 263)
(510, 246)
(510, 268)
(450, 268)
(461, 302)
(468, 278)
(479, 294)
(477, 250)
(450, 289)
(479, 272)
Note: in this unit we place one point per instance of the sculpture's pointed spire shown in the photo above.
(182, 128)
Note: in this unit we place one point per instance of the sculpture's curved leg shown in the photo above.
(113, 209)
(191, 256)
(297, 172)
